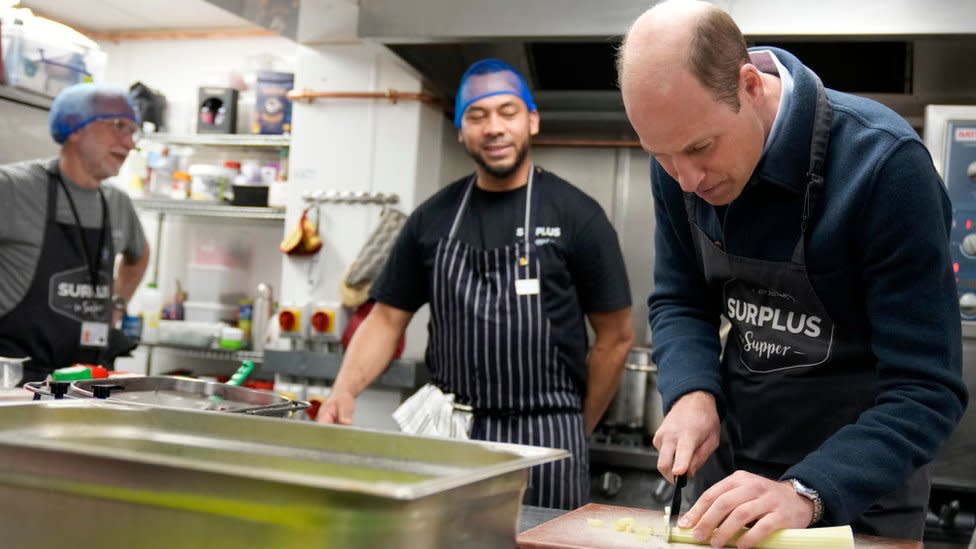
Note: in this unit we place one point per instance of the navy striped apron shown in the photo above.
(490, 344)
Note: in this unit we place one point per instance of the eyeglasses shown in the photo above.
(123, 127)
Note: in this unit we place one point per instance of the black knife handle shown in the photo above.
(679, 483)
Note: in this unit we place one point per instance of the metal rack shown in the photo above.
(222, 140)
(208, 353)
(161, 207)
(401, 374)
(25, 97)
(208, 209)
(335, 196)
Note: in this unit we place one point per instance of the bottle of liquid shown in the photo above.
(244, 320)
(260, 316)
(152, 302)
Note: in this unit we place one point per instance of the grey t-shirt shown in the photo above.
(23, 211)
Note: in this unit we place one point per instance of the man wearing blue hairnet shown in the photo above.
(60, 233)
(510, 259)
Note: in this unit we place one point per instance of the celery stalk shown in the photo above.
(831, 537)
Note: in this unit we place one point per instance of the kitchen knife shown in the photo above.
(679, 482)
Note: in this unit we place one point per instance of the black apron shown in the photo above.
(793, 375)
(47, 324)
(490, 344)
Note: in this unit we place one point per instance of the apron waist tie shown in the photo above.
(510, 412)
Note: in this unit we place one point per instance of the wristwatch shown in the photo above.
(119, 302)
(812, 495)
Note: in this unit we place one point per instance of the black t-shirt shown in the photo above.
(582, 266)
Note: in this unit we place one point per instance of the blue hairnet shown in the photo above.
(486, 78)
(81, 104)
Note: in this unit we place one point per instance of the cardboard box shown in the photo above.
(272, 111)
(217, 110)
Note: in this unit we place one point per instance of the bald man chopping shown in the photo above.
(814, 222)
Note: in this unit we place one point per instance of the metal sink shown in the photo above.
(103, 474)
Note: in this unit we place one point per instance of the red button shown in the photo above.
(321, 321)
(286, 319)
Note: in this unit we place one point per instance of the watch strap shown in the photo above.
(813, 496)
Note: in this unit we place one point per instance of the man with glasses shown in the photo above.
(60, 233)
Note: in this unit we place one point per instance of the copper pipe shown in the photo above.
(392, 95)
(208, 34)
(593, 143)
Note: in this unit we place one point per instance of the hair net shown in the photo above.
(81, 104)
(486, 78)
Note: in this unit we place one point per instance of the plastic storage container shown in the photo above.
(11, 371)
(231, 338)
(216, 284)
(45, 57)
(201, 311)
(250, 195)
(210, 182)
(188, 333)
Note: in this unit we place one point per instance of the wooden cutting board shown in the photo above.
(574, 530)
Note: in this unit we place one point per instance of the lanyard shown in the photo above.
(93, 268)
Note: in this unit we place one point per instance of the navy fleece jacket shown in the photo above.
(878, 258)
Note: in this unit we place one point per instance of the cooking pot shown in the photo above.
(637, 404)
(11, 371)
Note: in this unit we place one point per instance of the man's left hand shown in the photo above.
(743, 499)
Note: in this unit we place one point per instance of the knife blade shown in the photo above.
(679, 482)
(666, 530)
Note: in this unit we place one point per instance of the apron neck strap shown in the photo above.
(818, 152)
(819, 141)
(467, 196)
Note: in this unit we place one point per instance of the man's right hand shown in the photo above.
(337, 408)
(688, 435)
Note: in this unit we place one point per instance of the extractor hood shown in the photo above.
(902, 52)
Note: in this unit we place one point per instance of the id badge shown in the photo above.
(94, 334)
(527, 286)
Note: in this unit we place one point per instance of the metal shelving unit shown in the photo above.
(208, 353)
(222, 140)
(212, 210)
(25, 97)
(208, 209)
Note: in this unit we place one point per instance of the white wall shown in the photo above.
(177, 68)
(357, 145)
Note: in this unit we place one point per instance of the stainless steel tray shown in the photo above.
(107, 474)
(184, 393)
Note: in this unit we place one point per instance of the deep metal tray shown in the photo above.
(115, 475)
(181, 392)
